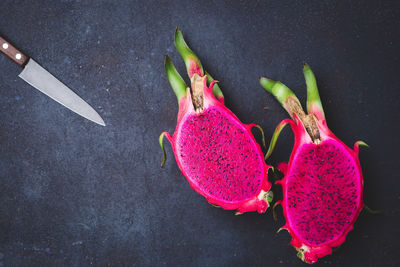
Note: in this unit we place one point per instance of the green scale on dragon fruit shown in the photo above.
(322, 184)
(216, 152)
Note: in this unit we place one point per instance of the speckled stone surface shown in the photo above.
(73, 193)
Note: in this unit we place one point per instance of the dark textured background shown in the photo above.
(75, 194)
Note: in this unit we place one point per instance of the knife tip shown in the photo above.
(98, 120)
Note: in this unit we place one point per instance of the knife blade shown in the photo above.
(44, 81)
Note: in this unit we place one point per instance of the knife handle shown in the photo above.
(12, 52)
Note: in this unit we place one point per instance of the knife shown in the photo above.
(42, 80)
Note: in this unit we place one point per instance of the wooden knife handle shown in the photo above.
(12, 52)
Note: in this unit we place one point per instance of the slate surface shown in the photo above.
(76, 194)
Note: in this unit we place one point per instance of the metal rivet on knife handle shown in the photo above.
(12, 52)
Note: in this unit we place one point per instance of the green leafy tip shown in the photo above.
(371, 211)
(269, 197)
(275, 136)
(280, 229)
(300, 255)
(177, 83)
(280, 91)
(215, 206)
(261, 130)
(274, 215)
(160, 141)
(188, 56)
(313, 100)
(216, 89)
(268, 84)
(362, 143)
(193, 64)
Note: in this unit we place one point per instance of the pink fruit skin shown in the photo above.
(256, 200)
(310, 253)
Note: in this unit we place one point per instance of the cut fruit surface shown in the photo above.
(322, 188)
(212, 151)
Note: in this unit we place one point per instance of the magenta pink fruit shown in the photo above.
(322, 186)
(216, 153)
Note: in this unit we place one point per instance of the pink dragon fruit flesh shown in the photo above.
(216, 153)
(322, 184)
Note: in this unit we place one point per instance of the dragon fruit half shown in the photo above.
(216, 153)
(322, 184)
